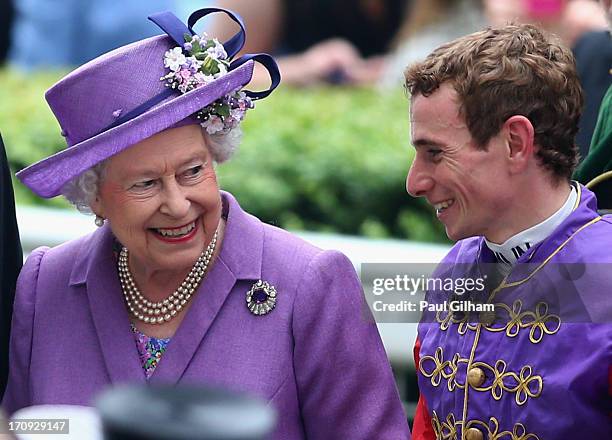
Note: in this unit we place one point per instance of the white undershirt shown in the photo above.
(510, 251)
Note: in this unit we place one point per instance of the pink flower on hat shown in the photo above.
(214, 124)
(185, 73)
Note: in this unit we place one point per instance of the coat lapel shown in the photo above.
(95, 266)
(206, 305)
(240, 258)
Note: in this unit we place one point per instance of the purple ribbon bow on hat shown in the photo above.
(177, 30)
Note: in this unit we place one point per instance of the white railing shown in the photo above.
(50, 227)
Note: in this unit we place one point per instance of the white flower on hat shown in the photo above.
(202, 78)
(174, 58)
(217, 51)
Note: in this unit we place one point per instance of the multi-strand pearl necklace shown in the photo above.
(160, 312)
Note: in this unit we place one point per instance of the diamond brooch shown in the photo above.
(261, 299)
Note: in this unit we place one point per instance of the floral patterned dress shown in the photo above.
(150, 350)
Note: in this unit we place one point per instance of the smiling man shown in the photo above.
(493, 119)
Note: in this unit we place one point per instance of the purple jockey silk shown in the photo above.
(545, 367)
(315, 357)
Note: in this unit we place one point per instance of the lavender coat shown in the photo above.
(547, 357)
(314, 357)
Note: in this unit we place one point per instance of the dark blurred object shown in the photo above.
(4, 432)
(180, 413)
(320, 41)
(6, 20)
(593, 52)
(369, 25)
(599, 159)
(11, 260)
(602, 187)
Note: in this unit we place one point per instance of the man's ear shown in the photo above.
(520, 138)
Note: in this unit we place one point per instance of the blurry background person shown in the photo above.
(57, 33)
(10, 262)
(578, 17)
(596, 168)
(368, 42)
(337, 41)
(179, 284)
(593, 52)
(433, 22)
(429, 24)
(569, 19)
(582, 26)
(6, 19)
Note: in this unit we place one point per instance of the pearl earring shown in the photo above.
(99, 221)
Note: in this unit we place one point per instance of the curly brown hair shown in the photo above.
(512, 70)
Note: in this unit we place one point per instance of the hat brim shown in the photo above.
(47, 177)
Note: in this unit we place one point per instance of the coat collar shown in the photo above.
(583, 212)
(242, 249)
(95, 265)
(582, 216)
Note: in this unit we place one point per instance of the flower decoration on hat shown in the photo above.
(199, 62)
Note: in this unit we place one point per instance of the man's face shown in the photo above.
(468, 187)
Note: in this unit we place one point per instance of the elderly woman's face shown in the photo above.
(162, 199)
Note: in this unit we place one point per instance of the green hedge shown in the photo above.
(328, 159)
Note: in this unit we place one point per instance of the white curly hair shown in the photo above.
(83, 189)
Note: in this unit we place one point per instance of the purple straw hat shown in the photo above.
(120, 99)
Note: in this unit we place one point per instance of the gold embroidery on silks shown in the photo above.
(539, 322)
(519, 432)
(447, 429)
(450, 319)
(523, 385)
(524, 382)
(442, 369)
